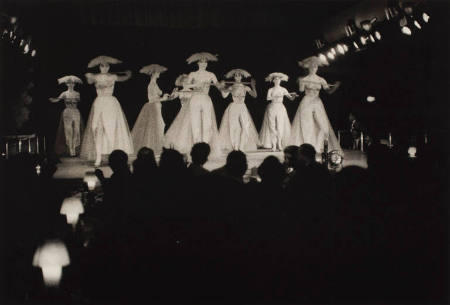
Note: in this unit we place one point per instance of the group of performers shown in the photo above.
(107, 128)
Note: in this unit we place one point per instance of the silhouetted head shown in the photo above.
(118, 160)
(171, 162)
(200, 152)
(236, 164)
(291, 155)
(306, 154)
(271, 170)
(145, 160)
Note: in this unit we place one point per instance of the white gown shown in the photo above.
(237, 130)
(179, 135)
(203, 117)
(148, 131)
(276, 125)
(311, 124)
(107, 128)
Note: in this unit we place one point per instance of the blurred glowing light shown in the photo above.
(330, 55)
(363, 40)
(371, 38)
(344, 46)
(91, 180)
(340, 49)
(355, 45)
(72, 207)
(26, 49)
(370, 99)
(33, 53)
(406, 30)
(417, 24)
(333, 51)
(412, 151)
(426, 17)
(377, 35)
(13, 20)
(323, 59)
(51, 257)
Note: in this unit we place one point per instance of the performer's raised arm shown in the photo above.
(57, 99)
(125, 77)
(330, 89)
(252, 90)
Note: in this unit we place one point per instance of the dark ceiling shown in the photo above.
(199, 14)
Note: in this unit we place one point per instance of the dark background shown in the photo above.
(408, 75)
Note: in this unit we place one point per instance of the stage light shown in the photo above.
(363, 40)
(417, 24)
(333, 51)
(377, 35)
(425, 17)
(22, 41)
(323, 59)
(319, 43)
(412, 152)
(340, 49)
(51, 257)
(33, 53)
(330, 55)
(38, 169)
(72, 207)
(91, 180)
(406, 30)
(344, 46)
(370, 99)
(13, 20)
(355, 45)
(26, 49)
(371, 38)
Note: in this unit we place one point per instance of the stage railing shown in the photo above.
(16, 144)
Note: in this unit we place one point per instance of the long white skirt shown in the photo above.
(179, 136)
(203, 122)
(148, 131)
(311, 125)
(106, 129)
(237, 130)
(275, 126)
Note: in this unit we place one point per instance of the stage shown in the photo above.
(75, 168)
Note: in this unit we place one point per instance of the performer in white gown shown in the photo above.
(237, 130)
(311, 124)
(179, 135)
(107, 128)
(276, 127)
(148, 131)
(68, 135)
(203, 117)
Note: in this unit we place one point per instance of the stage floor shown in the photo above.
(75, 168)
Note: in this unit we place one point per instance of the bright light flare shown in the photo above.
(406, 30)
